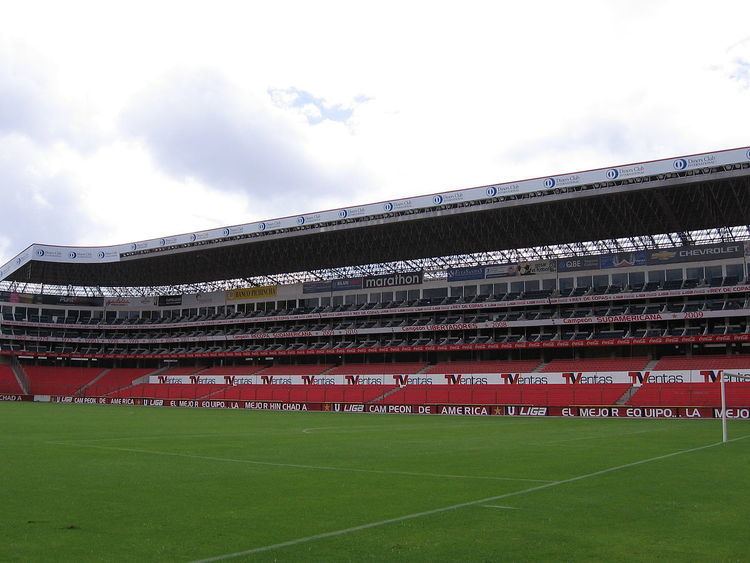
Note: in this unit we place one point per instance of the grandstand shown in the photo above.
(621, 286)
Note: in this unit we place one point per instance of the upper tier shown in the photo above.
(674, 195)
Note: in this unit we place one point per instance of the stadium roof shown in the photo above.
(678, 196)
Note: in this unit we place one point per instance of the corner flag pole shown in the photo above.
(724, 436)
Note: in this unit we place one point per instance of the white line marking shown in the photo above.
(336, 533)
(500, 506)
(303, 466)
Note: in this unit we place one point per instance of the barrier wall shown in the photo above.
(444, 410)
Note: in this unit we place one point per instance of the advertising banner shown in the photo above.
(624, 411)
(169, 300)
(501, 271)
(250, 293)
(465, 274)
(719, 251)
(393, 280)
(622, 260)
(537, 267)
(316, 287)
(578, 263)
(637, 378)
(346, 284)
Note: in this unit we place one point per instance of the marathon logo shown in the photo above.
(392, 280)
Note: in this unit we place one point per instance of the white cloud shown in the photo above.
(171, 117)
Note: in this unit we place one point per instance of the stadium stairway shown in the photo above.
(8, 381)
(626, 395)
(138, 381)
(21, 377)
(82, 390)
(383, 396)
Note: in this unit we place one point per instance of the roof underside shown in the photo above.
(679, 205)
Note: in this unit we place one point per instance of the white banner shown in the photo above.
(637, 378)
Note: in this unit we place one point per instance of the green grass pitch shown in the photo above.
(81, 482)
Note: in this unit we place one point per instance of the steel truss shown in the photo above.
(434, 267)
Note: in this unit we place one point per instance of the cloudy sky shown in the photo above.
(125, 121)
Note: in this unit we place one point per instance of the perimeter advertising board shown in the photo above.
(643, 377)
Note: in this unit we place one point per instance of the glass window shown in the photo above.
(350, 299)
(361, 298)
(531, 285)
(713, 272)
(457, 291)
(656, 275)
(636, 278)
(549, 283)
(485, 289)
(674, 274)
(601, 281)
(435, 292)
(583, 281)
(501, 288)
(325, 301)
(402, 295)
(413, 294)
(516, 287)
(374, 298)
(338, 300)
(734, 270)
(694, 273)
(566, 283)
(386, 296)
(470, 290)
(620, 280)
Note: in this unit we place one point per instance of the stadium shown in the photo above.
(524, 308)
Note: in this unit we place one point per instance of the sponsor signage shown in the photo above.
(577, 263)
(465, 274)
(537, 267)
(250, 293)
(393, 280)
(316, 287)
(501, 271)
(637, 378)
(346, 284)
(460, 410)
(623, 260)
(696, 253)
(169, 300)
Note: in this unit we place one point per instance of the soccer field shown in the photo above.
(81, 482)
